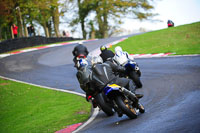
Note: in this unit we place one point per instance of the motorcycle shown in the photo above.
(133, 72)
(81, 56)
(132, 69)
(123, 100)
(79, 60)
(97, 99)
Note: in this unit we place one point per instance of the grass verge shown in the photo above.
(181, 40)
(25, 108)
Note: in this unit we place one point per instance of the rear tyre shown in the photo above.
(139, 73)
(107, 109)
(136, 79)
(126, 107)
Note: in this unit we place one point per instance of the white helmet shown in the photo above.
(80, 42)
(120, 56)
(81, 63)
(96, 59)
(118, 49)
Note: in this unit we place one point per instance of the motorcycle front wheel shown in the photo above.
(126, 108)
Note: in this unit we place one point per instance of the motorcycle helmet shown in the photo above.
(102, 48)
(118, 49)
(82, 63)
(120, 56)
(80, 42)
(96, 60)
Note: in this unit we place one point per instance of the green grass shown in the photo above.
(181, 40)
(25, 108)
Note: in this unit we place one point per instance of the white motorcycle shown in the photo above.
(132, 69)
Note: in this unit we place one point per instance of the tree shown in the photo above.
(84, 8)
(92, 32)
(117, 9)
(55, 15)
(7, 17)
(112, 10)
(42, 14)
(49, 10)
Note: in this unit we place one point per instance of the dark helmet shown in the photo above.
(102, 48)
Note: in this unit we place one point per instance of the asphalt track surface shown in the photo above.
(171, 88)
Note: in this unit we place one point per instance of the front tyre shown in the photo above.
(126, 108)
(104, 105)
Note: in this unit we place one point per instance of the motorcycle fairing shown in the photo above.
(110, 88)
(130, 66)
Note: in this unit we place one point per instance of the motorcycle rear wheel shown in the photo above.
(136, 79)
(107, 109)
(127, 109)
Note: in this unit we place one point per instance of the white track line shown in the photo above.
(72, 92)
(95, 113)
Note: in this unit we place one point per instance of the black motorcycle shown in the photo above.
(123, 101)
(133, 72)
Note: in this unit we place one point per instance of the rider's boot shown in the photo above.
(141, 108)
(139, 95)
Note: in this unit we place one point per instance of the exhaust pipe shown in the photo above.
(128, 93)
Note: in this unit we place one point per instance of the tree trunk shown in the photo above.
(25, 30)
(102, 19)
(56, 21)
(46, 30)
(82, 20)
(105, 24)
(12, 32)
(100, 23)
(0, 34)
(49, 25)
(20, 23)
(83, 29)
(93, 34)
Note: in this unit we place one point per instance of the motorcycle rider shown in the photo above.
(78, 50)
(83, 73)
(170, 23)
(88, 81)
(121, 58)
(103, 74)
(105, 53)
